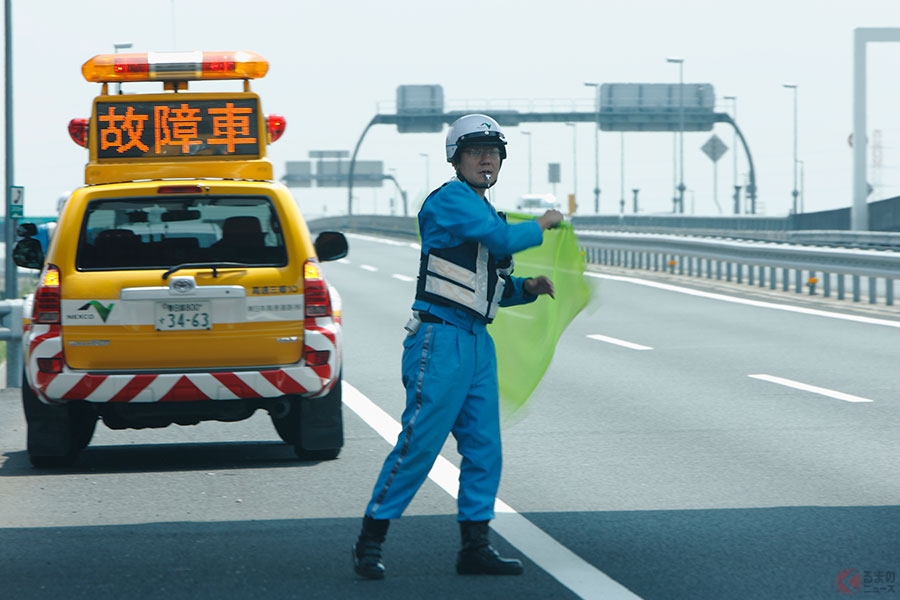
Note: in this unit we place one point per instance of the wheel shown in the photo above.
(56, 433)
(83, 424)
(314, 426)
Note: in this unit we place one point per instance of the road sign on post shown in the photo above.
(656, 107)
(714, 148)
(553, 173)
(16, 202)
(298, 173)
(420, 108)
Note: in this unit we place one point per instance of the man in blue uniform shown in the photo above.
(449, 365)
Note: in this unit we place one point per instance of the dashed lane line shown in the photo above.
(809, 388)
(618, 342)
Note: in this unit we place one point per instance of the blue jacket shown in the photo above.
(453, 220)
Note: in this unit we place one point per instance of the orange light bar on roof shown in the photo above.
(175, 66)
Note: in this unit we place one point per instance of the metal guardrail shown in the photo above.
(11, 313)
(404, 227)
(750, 260)
(765, 262)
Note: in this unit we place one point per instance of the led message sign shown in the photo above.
(174, 128)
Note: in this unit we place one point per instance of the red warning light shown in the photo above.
(78, 131)
(276, 125)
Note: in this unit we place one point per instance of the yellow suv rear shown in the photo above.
(181, 283)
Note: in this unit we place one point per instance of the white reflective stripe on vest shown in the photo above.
(463, 286)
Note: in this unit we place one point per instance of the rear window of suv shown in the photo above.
(154, 233)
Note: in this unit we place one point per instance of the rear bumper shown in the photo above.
(43, 341)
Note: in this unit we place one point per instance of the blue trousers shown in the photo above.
(450, 376)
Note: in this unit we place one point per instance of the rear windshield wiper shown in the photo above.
(215, 266)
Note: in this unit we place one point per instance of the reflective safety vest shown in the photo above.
(467, 276)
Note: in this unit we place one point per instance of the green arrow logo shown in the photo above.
(103, 311)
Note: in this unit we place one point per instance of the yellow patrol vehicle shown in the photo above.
(181, 283)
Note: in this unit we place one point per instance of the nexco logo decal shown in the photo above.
(102, 310)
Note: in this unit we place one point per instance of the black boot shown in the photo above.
(367, 549)
(477, 557)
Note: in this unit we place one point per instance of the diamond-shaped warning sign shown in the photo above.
(714, 148)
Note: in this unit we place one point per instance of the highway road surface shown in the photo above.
(688, 442)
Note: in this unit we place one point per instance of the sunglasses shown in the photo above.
(479, 151)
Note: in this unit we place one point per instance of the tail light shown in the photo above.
(317, 300)
(50, 365)
(47, 309)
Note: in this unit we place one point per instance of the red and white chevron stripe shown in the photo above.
(45, 341)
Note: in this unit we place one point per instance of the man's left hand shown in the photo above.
(539, 285)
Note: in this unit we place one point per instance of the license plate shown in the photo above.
(180, 316)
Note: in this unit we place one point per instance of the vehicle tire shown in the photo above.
(56, 433)
(84, 423)
(314, 426)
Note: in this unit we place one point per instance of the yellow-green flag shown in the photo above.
(526, 335)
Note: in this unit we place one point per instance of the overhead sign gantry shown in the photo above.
(620, 107)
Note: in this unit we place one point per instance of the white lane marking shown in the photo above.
(809, 388)
(369, 268)
(561, 563)
(344, 261)
(402, 277)
(618, 342)
(736, 300)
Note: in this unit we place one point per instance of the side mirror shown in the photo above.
(28, 253)
(331, 245)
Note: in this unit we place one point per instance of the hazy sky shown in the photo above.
(336, 63)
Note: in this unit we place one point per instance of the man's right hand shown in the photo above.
(550, 219)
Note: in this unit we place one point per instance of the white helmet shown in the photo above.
(474, 129)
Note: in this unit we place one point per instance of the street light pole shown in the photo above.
(734, 147)
(622, 171)
(681, 188)
(795, 192)
(10, 277)
(574, 162)
(528, 133)
(427, 171)
(596, 146)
